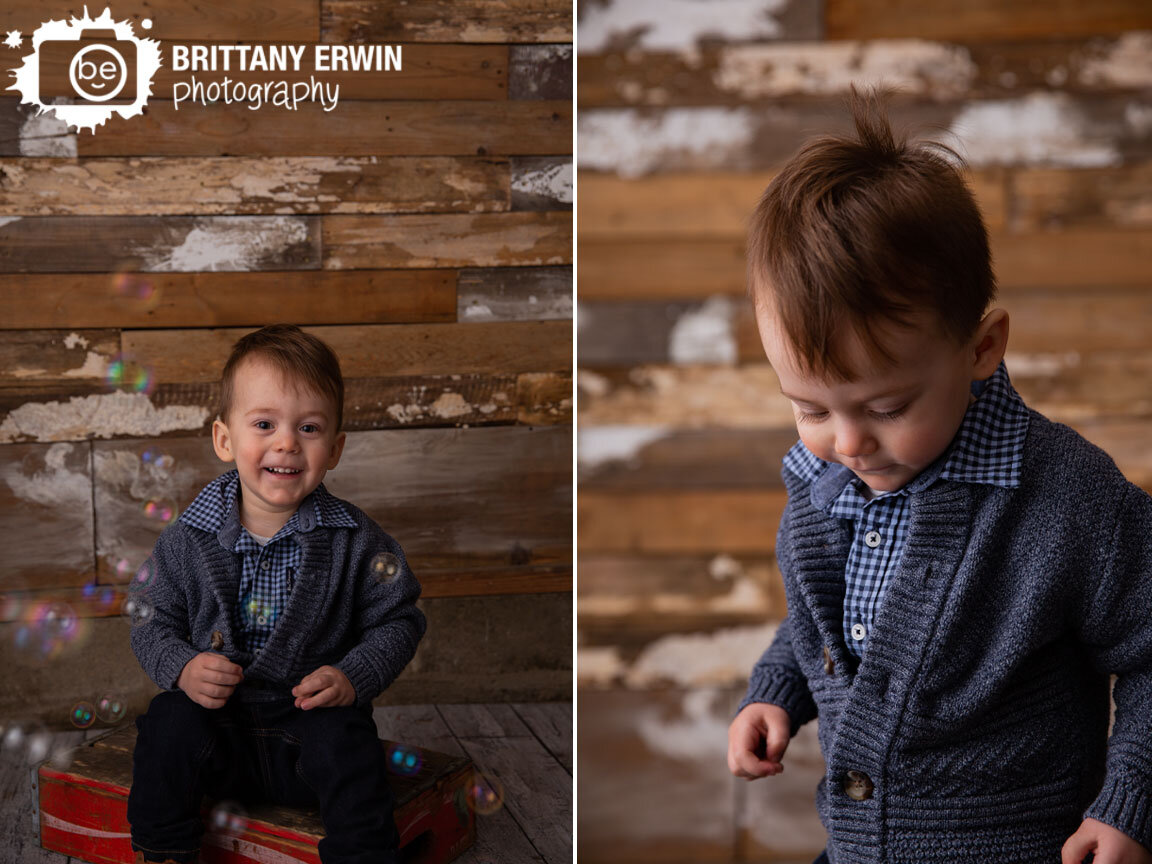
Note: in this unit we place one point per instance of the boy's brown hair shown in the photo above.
(858, 230)
(300, 357)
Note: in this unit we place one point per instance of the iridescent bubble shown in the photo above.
(144, 575)
(149, 456)
(57, 621)
(136, 286)
(228, 817)
(160, 511)
(83, 715)
(152, 456)
(386, 568)
(136, 609)
(123, 569)
(123, 373)
(485, 795)
(259, 610)
(405, 761)
(110, 709)
(107, 597)
(14, 737)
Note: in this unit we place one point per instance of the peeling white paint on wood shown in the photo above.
(701, 730)
(449, 405)
(598, 445)
(1041, 128)
(228, 244)
(1122, 62)
(1041, 365)
(45, 135)
(554, 182)
(100, 416)
(55, 486)
(75, 340)
(95, 366)
(632, 143)
(915, 66)
(8, 220)
(675, 25)
(722, 658)
(704, 335)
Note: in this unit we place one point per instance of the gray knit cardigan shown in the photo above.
(338, 614)
(976, 726)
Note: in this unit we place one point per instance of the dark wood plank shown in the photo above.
(165, 186)
(287, 21)
(514, 294)
(446, 21)
(134, 300)
(44, 244)
(541, 183)
(413, 349)
(551, 723)
(452, 240)
(416, 726)
(402, 128)
(540, 72)
(33, 360)
(483, 721)
(982, 19)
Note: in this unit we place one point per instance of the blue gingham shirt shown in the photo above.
(267, 571)
(988, 448)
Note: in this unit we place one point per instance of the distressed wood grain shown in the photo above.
(44, 244)
(446, 21)
(450, 240)
(1103, 198)
(541, 183)
(369, 350)
(540, 72)
(401, 128)
(286, 21)
(551, 723)
(514, 294)
(164, 186)
(544, 399)
(135, 300)
(983, 19)
(34, 360)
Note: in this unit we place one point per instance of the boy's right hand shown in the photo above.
(209, 679)
(757, 740)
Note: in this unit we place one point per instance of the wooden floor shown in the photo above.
(525, 747)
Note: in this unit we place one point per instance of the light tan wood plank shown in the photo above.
(447, 21)
(1104, 198)
(452, 240)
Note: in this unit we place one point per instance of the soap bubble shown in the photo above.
(110, 709)
(123, 569)
(136, 286)
(152, 456)
(56, 621)
(259, 610)
(136, 609)
(124, 373)
(485, 795)
(227, 817)
(145, 574)
(386, 568)
(160, 511)
(83, 715)
(405, 761)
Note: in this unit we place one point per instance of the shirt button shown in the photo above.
(858, 786)
(858, 632)
(264, 565)
(872, 538)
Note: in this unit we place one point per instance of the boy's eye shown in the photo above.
(889, 415)
(309, 428)
(263, 424)
(809, 416)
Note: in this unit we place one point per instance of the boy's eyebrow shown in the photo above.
(895, 391)
(320, 414)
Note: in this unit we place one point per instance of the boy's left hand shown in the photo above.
(326, 687)
(1109, 845)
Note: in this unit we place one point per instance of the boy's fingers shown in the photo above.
(1076, 848)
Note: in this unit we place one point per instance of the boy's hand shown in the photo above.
(757, 740)
(1110, 846)
(327, 686)
(209, 679)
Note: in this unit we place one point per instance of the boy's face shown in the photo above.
(893, 421)
(283, 440)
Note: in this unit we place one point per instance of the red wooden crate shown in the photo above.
(84, 813)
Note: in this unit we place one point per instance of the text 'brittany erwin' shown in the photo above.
(285, 58)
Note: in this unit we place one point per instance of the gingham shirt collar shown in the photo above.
(217, 511)
(988, 447)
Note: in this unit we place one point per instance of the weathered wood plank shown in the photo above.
(134, 300)
(713, 204)
(42, 244)
(483, 721)
(287, 21)
(551, 723)
(982, 19)
(451, 240)
(541, 183)
(446, 21)
(369, 350)
(761, 72)
(417, 726)
(46, 506)
(540, 72)
(402, 128)
(426, 72)
(165, 186)
(1099, 198)
(33, 360)
(544, 399)
(514, 294)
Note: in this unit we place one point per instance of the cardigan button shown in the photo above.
(858, 786)
(829, 664)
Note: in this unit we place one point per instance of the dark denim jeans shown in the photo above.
(823, 859)
(260, 751)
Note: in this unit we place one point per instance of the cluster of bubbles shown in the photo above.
(484, 795)
(102, 595)
(259, 611)
(45, 627)
(160, 511)
(386, 568)
(136, 609)
(227, 817)
(126, 374)
(108, 709)
(152, 456)
(405, 761)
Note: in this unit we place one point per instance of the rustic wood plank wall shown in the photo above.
(423, 228)
(685, 113)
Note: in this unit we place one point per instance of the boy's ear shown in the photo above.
(337, 450)
(222, 442)
(991, 342)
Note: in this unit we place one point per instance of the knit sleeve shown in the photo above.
(1118, 630)
(777, 679)
(157, 606)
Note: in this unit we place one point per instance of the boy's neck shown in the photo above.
(259, 522)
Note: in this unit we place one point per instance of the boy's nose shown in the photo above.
(286, 441)
(852, 441)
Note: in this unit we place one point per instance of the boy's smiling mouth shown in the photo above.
(282, 471)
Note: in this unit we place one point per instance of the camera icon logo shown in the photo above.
(88, 69)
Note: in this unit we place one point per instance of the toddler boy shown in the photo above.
(277, 612)
(962, 574)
